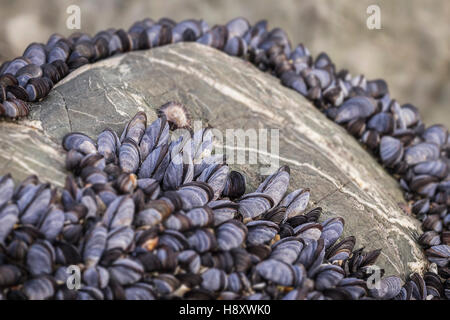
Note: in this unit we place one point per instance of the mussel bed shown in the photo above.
(114, 168)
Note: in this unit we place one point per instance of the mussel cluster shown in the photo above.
(416, 155)
(144, 216)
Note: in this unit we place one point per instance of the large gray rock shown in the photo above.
(226, 93)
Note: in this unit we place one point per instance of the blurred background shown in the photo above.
(411, 51)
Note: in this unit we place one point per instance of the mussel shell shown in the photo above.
(126, 271)
(253, 205)
(261, 232)
(281, 273)
(287, 250)
(202, 240)
(421, 152)
(391, 151)
(214, 280)
(6, 189)
(382, 122)
(40, 258)
(16, 65)
(10, 275)
(40, 288)
(296, 202)
(80, 142)
(436, 134)
(235, 185)
(231, 235)
(356, 107)
(389, 287)
(328, 276)
(129, 157)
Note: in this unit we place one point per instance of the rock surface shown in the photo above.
(226, 93)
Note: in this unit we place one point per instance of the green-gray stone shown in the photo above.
(226, 93)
